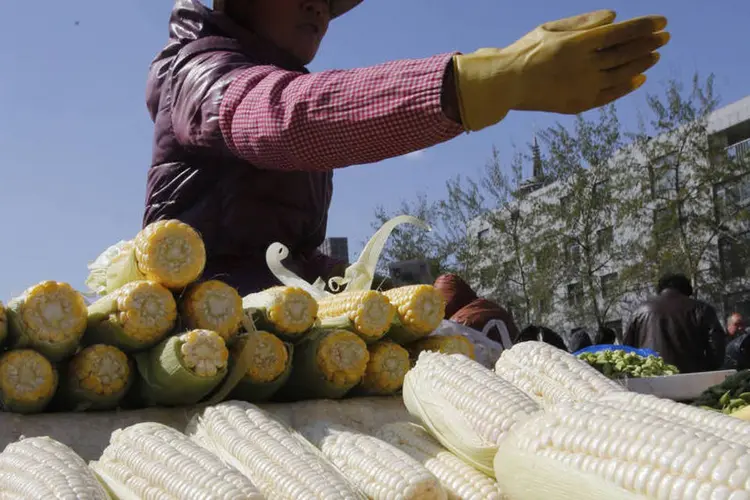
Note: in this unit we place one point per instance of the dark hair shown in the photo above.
(606, 336)
(678, 282)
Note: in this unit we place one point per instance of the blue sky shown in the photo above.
(75, 138)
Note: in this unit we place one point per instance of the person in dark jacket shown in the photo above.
(686, 332)
(246, 139)
(463, 306)
(737, 356)
(541, 334)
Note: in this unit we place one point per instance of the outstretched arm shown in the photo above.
(288, 120)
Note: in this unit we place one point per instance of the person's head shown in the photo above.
(735, 324)
(295, 26)
(677, 282)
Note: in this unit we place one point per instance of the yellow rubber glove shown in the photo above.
(567, 66)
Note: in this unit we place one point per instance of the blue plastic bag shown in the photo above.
(613, 347)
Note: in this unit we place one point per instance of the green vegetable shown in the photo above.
(621, 364)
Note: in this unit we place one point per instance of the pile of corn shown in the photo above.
(466, 432)
(159, 336)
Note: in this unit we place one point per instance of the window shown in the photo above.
(565, 203)
(543, 306)
(732, 195)
(609, 285)
(664, 175)
(575, 295)
(573, 252)
(483, 235)
(604, 239)
(734, 254)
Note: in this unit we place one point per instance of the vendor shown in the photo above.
(246, 139)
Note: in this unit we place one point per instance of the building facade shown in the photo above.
(337, 248)
(728, 131)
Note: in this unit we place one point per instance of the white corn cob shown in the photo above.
(589, 451)
(153, 461)
(378, 469)
(564, 375)
(467, 407)
(41, 468)
(538, 386)
(278, 462)
(718, 424)
(460, 481)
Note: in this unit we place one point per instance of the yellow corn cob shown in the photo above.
(28, 381)
(445, 344)
(264, 450)
(553, 375)
(134, 318)
(379, 470)
(367, 313)
(584, 451)
(41, 468)
(459, 480)
(151, 460)
(49, 317)
(269, 366)
(170, 252)
(183, 369)
(465, 406)
(3, 325)
(98, 378)
(386, 369)
(327, 364)
(283, 310)
(213, 305)
(420, 309)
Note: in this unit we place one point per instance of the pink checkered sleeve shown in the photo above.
(279, 119)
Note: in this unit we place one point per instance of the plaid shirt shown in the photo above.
(278, 119)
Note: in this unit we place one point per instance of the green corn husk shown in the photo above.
(248, 389)
(14, 404)
(107, 323)
(401, 334)
(21, 335)
(269, 310)
(74, 396)
(309, 379)
(165, 380)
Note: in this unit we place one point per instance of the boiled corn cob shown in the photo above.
(445, 344)
(263, 449)
(41, 468)
(98, 377)
(464, 405)
(269, 365)
(386, 369)
(582, 451)
(182, 370)
(133, 318)
(151, 460)
(420, 309)
(170, 252)
(327, 364)
(561, 375)
(286, 311)
(213, 305)
(28, 381)
(460, 481)
(368, 313)
(3, 325)
(50, 318)
(379, 470)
